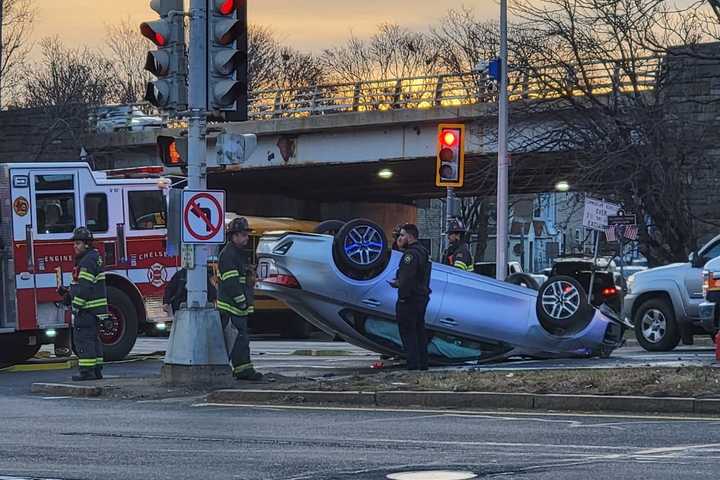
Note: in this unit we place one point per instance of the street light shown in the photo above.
(562, 186)
(385, 174)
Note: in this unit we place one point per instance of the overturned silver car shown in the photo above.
(340, 284)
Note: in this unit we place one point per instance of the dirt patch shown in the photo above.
(699, 382)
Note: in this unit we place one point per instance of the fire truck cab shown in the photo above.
(40, 206)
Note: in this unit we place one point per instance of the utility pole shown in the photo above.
(502, 178)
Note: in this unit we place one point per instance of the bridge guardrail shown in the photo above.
(612, 77)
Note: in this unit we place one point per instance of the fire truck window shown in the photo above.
(96, 212)
(54, 182)
(55, 212)
(147, 210)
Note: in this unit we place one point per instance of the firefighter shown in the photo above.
(413, 285)
(235, 299)
(87, 297)
(457, 254)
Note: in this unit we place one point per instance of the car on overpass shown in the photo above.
(663, 303)
(340, 283)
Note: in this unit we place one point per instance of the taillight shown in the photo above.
(284, 280)
(609, 292)
(711, 281)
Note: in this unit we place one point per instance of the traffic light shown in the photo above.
(450, 166)
(173, 151)
(227, 58)
(168, 62)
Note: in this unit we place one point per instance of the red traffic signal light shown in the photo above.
(450, 161)
(157, 32)
(225, 7)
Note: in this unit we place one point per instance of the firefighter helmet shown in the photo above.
(82, 234)
(238, 225)
(455, 225)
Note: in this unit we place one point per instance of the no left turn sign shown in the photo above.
(203, 216)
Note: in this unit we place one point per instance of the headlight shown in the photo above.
(630, 282)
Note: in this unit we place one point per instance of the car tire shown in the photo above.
(361, 249)
(656, 329)
(562, 306)
(523, 280)
(329, 227)
(125, 319)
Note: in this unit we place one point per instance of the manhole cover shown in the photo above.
(432, 475)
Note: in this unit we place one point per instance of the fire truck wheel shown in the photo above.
(119, 333)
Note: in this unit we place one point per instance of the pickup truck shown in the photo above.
(664, 302)
(710, 308)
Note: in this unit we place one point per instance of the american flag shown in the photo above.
(614, 232)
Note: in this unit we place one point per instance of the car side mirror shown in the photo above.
(697, 261)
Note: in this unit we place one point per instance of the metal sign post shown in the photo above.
(503, 207)
(595, 217)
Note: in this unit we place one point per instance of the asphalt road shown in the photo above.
(62, 438)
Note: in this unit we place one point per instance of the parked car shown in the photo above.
(340, 283)
(515, 274)
(131, 120)
(663, 303)
(605, 289)
(709, 310)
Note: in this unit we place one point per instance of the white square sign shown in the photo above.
(203, 216)
(596, 213)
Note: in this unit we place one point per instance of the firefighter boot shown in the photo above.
(85, 375)
(247, 373)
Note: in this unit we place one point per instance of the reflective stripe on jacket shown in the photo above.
(88, 292)
(235, 295)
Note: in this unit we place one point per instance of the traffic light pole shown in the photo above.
(501, 237)
(197, 142)
(196, 352)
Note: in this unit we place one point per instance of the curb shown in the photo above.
(62, 389)
(479, 400)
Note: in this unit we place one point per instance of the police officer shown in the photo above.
(413, 285)
(457, 254)
(235, 299)
(88, 298)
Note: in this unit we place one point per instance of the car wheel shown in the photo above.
(329, 227)
(562, 306)
(523, 280)
(361, 249)
(656, 329)
(119, 332)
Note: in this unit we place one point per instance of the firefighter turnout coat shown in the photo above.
(88, 292)
(236, 293)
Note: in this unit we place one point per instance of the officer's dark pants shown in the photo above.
(87, 342)
(237, 341)
(411, 322)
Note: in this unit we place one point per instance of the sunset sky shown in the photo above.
(305, 24)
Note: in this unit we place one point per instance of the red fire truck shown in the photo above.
(40, 205)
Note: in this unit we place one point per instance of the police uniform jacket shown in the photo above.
(413, 278)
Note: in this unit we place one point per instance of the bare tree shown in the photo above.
(610, 78)
(392, 52)
(263, 55)
(69, 77)
(127, 54)
(16, 19)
